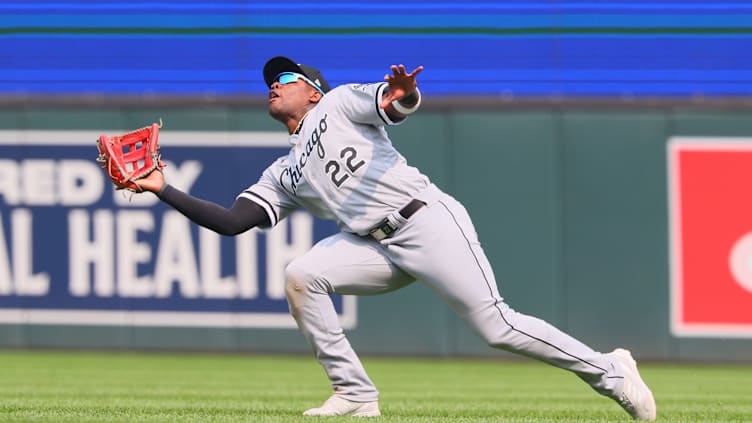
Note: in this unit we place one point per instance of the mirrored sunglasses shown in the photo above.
(290, 77)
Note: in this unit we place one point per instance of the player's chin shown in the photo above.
(275, 109)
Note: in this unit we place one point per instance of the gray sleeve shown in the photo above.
(269, 194)
(361, 103)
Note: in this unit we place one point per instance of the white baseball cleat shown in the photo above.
(636, 398)
(338, 406)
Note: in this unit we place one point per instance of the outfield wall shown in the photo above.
(572, 206)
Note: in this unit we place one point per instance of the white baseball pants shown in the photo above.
(438, 246)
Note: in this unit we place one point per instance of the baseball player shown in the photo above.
(396, 227)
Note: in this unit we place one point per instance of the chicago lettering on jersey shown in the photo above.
(295, 171)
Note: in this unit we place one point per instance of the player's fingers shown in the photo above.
(395, 70)
(416, 71)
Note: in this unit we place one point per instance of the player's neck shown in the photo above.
(294, 124)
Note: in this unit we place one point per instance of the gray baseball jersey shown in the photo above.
(342, 166)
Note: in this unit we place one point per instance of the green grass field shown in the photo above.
(159, 387)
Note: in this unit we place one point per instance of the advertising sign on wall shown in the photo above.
(710, 199)
(74, 251)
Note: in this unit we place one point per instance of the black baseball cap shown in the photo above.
(279, 64)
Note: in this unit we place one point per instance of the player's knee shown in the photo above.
(495, 325)
(295, 286)
(300, 282)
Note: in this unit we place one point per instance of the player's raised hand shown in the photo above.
(401, 83)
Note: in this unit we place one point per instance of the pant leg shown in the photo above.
(440, 247)
(344, 264)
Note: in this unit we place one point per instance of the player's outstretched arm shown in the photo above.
(242, 216)
(402, 97)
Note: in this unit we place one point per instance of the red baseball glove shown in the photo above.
(130, 157)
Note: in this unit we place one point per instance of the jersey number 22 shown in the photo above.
(338, 175)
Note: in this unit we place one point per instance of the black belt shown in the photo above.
(385, 228)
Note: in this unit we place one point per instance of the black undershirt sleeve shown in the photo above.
(242, 216)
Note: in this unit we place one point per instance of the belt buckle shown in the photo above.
(383, 230)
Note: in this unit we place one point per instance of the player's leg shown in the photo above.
(439, 246)
(343, 264)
